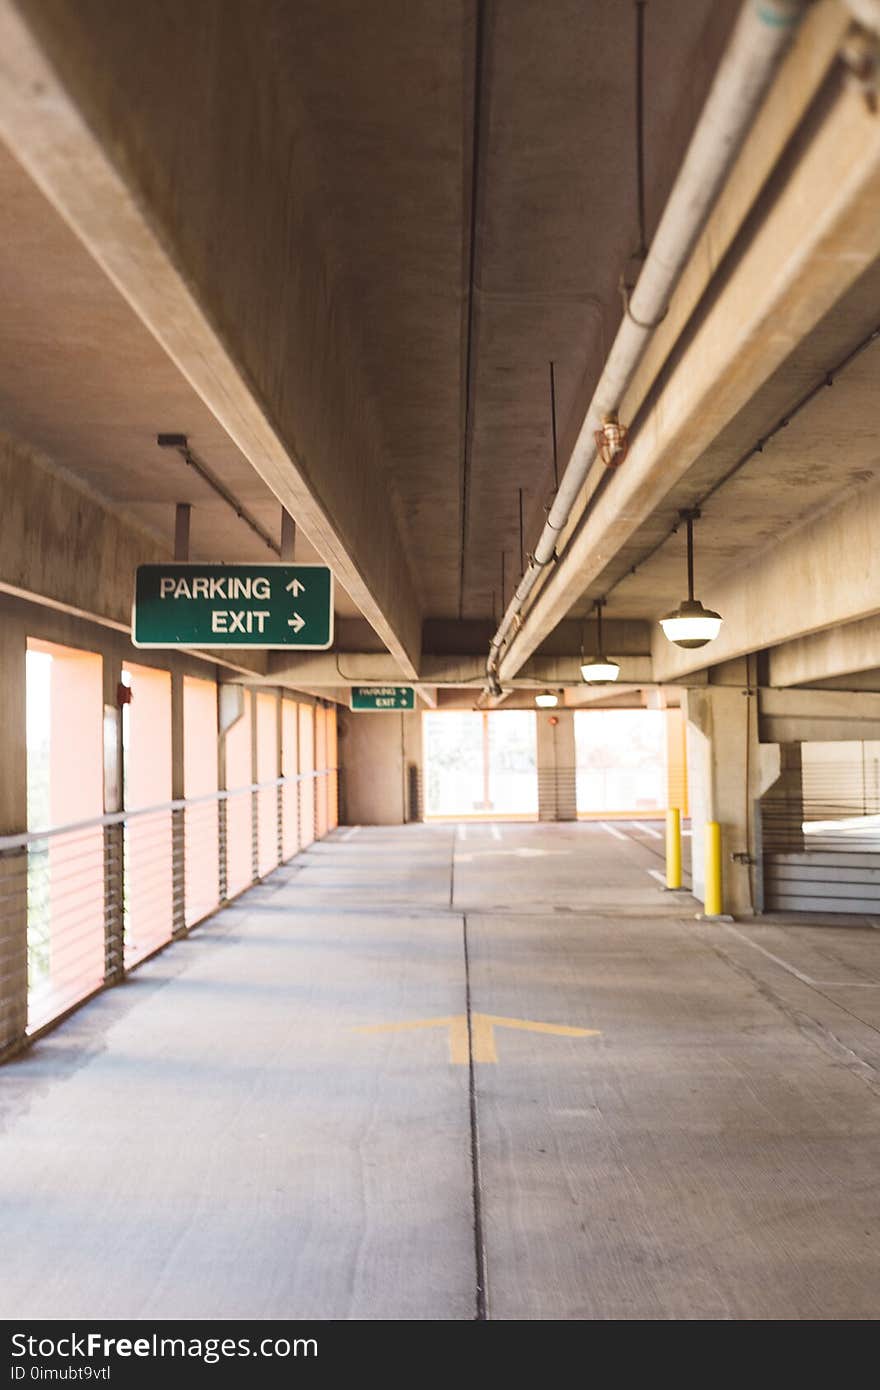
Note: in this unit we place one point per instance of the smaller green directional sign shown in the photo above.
(380, 699)
(258, 606)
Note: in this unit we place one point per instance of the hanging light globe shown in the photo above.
(599, 670)
(547, 700)
(690, 624)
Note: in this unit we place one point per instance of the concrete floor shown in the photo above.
(228, 1134)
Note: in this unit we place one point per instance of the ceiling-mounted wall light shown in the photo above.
(599, 670)
(691, 625)
(547, 699)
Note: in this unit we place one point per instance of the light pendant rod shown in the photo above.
(689, 517)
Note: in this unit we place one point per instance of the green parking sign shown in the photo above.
(258, 606)
(382, 699)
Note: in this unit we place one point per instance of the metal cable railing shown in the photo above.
(81, 904)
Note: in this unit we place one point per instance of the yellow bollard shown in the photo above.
(673, 847)
(713, 906)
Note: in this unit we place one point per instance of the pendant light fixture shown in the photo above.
(548, 699)
(691, 625)
(599, 670)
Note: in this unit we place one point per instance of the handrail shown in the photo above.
(28, 837)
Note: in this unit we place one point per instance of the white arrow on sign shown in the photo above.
(297, 623)
(296, 588)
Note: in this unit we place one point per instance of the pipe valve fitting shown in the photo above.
(612, 441)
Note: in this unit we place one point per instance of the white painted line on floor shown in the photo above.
(649, 830)
(777, 960)
(799, 974)
(462, 832)
(348, 834)
(655, 873)
(612, 830)
(496, 833)
(687, 833)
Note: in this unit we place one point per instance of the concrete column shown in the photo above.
(13, 821)
(724, 775)
(114, 963)
(279, 748)
(412, 766)
(178, 792)
(255, 796)
(676, 760)
(228, 706)
(557, 790)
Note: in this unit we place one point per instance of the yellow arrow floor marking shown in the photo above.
(482, 1033)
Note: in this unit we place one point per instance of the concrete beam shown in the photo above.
(338, 694)
(621, 637)
(815, 49)
(841, 651)
(824, 575)
(146, 191)
(801, 716)
(441, 636)
(368, 668)
(541, 670)
(579, 697)
(614, 697)
(817, 237)
(856, 680)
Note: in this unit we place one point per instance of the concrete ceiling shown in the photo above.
(556, 227)
(83, 381)
(468, 174)
(459, 180)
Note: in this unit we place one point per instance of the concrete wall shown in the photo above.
(375, 751)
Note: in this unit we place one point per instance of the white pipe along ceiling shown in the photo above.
(759, 41)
